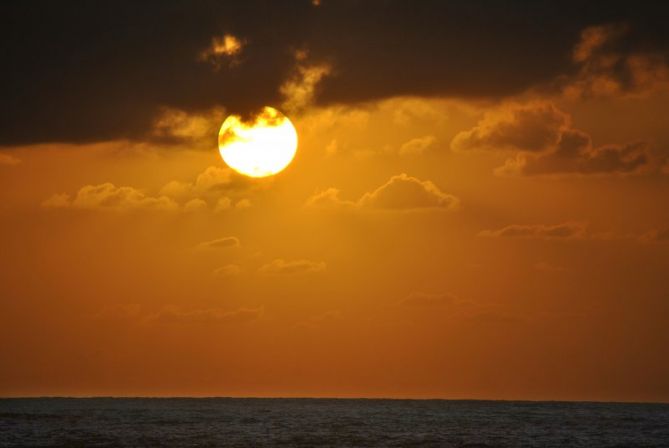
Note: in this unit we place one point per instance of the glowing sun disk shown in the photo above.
(260, 147)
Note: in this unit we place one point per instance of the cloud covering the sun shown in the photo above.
(241, 57)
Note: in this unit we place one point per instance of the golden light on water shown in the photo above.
(260, 147)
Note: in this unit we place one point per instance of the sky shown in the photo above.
(477, 208)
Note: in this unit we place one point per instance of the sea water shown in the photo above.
(258, 422)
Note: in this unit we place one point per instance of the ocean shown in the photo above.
(259, 422)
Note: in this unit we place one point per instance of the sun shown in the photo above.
(259, 147)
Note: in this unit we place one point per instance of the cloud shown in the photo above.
(209, 185)
(220, 243)
(58, 200)
(417, 146)
(107, 196)
(609, 66)
(175, 125)
(229, 270)
(9, 160)
(546, 143)
(300, 89)
(195, 205)
(292, 267)
(564, 231)
(608, 159)
(399, 193)
(532, 127)
(173, 314)
(328, 198)
(403, 192)
(484, 51)
(223, 49)
(656, 236)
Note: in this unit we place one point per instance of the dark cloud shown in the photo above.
(530, 127)
(546, 144)
(83, 71)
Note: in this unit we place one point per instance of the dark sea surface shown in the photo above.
(251, 422)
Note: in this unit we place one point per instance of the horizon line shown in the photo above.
(303, 397)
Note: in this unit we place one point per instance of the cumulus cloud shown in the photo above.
(58, 200)
(173, 314)
(207, 188)
(403, 192)
(9, 160)
(417, 145)
(195, 205)
(328, 198)
(213, 185)
(399, 193)
(546, 144)
(292, 267)
(564, 231)
(532, 127)
(220, 243)
(107, 196)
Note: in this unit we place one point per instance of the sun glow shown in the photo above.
(260, 147)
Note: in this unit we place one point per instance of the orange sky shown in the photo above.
(417, 246)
